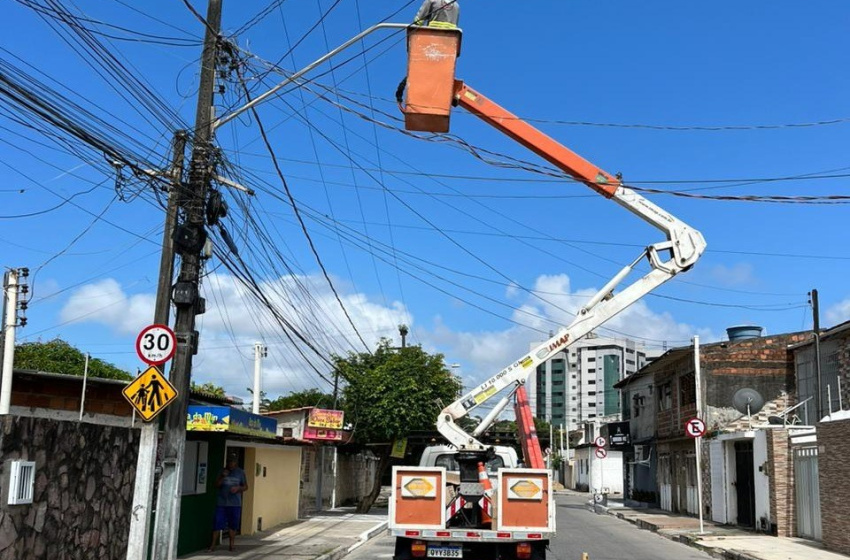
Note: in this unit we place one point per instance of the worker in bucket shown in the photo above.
(438, 13)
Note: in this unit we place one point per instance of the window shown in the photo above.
(556, 383)
(591, 370)
(591, 393)
(21, 482)
(665, 396)
(591, 415)
(629, 351)
(687, 389)
(195, 467)
(447, 461)
(592, 404)
(630, 362)
(591, 359)
(591, 382)
(574, 398)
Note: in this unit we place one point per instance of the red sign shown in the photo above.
(320, 418)
(156, 344)
(321, 434)
(599, 442)
(695, 427)
(601, 453)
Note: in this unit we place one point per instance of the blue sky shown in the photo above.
(478, 259)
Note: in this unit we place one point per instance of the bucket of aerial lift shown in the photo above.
(432, 54)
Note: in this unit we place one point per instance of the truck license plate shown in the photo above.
(445, 552)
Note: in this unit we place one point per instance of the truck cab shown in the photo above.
(446, 456)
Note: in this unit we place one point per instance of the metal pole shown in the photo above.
(258, 366)
(187, 299)
(698, 441)
(85, 380)
(294, 77)
(9, 343)
(140, 520)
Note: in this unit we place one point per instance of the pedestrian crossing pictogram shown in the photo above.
(149, 393)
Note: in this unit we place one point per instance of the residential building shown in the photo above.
(745, 459)
(640, 458)
(576, 385)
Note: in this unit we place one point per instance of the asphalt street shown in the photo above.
(604, 537)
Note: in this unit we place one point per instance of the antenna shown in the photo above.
(748, 401)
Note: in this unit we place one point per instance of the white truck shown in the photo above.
(432, 515)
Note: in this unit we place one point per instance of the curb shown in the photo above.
(691, 541)
(365, 536)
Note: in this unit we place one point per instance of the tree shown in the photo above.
(300, 399)
(57, 356)
(210, 389)
(390, 393)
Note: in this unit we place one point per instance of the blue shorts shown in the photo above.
(227, 517)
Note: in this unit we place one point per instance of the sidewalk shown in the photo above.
(720, 541)
(329, 535)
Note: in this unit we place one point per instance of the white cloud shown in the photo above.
(106, 302)
(838, 313)
(484, 353)
(233, 323)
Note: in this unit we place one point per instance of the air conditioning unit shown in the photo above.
(21, 482)
(640, 452)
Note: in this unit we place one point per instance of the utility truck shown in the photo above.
(435, 515)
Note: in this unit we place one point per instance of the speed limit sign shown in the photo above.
(156, 344)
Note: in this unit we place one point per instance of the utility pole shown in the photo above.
(403, 330)
(816, 328)
(137, 548)
(190, 238)
(10, 322)
(698, 440)
(260, 352)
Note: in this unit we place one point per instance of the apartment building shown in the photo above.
(577, 385)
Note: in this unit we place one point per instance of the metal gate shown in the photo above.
(807, 491)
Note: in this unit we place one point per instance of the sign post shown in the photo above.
(698, 439)
(695, 428)
(600, 452)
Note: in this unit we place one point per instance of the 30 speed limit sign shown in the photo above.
(156, 344)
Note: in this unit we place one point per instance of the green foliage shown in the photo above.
(57, 356)
(209, 388)
(394, 391)
(310, 397)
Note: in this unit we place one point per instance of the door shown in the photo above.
(745, 483)
(807, 491)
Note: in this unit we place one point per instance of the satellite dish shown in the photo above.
(775, 420)
(747, 401)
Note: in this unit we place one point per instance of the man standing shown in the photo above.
(438, 13)
(231, 483)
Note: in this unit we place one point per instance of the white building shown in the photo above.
(576, 385)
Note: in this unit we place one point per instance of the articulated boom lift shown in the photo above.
(432, 92)
(516, 520)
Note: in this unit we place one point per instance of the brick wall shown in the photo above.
(57, 393)
(834, 473)
(780, 460)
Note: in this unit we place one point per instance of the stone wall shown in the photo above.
(780, 465)
(82, 495)
(834, 472)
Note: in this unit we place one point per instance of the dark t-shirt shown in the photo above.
(236, 477)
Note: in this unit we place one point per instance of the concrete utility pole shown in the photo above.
(190, 237)
(9, 324)
(260, 352)
(698, 440)
(137, 548)
(816, 329)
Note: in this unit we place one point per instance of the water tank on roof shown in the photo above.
(743, 332)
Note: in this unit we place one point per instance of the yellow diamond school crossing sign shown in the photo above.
(149, 393)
